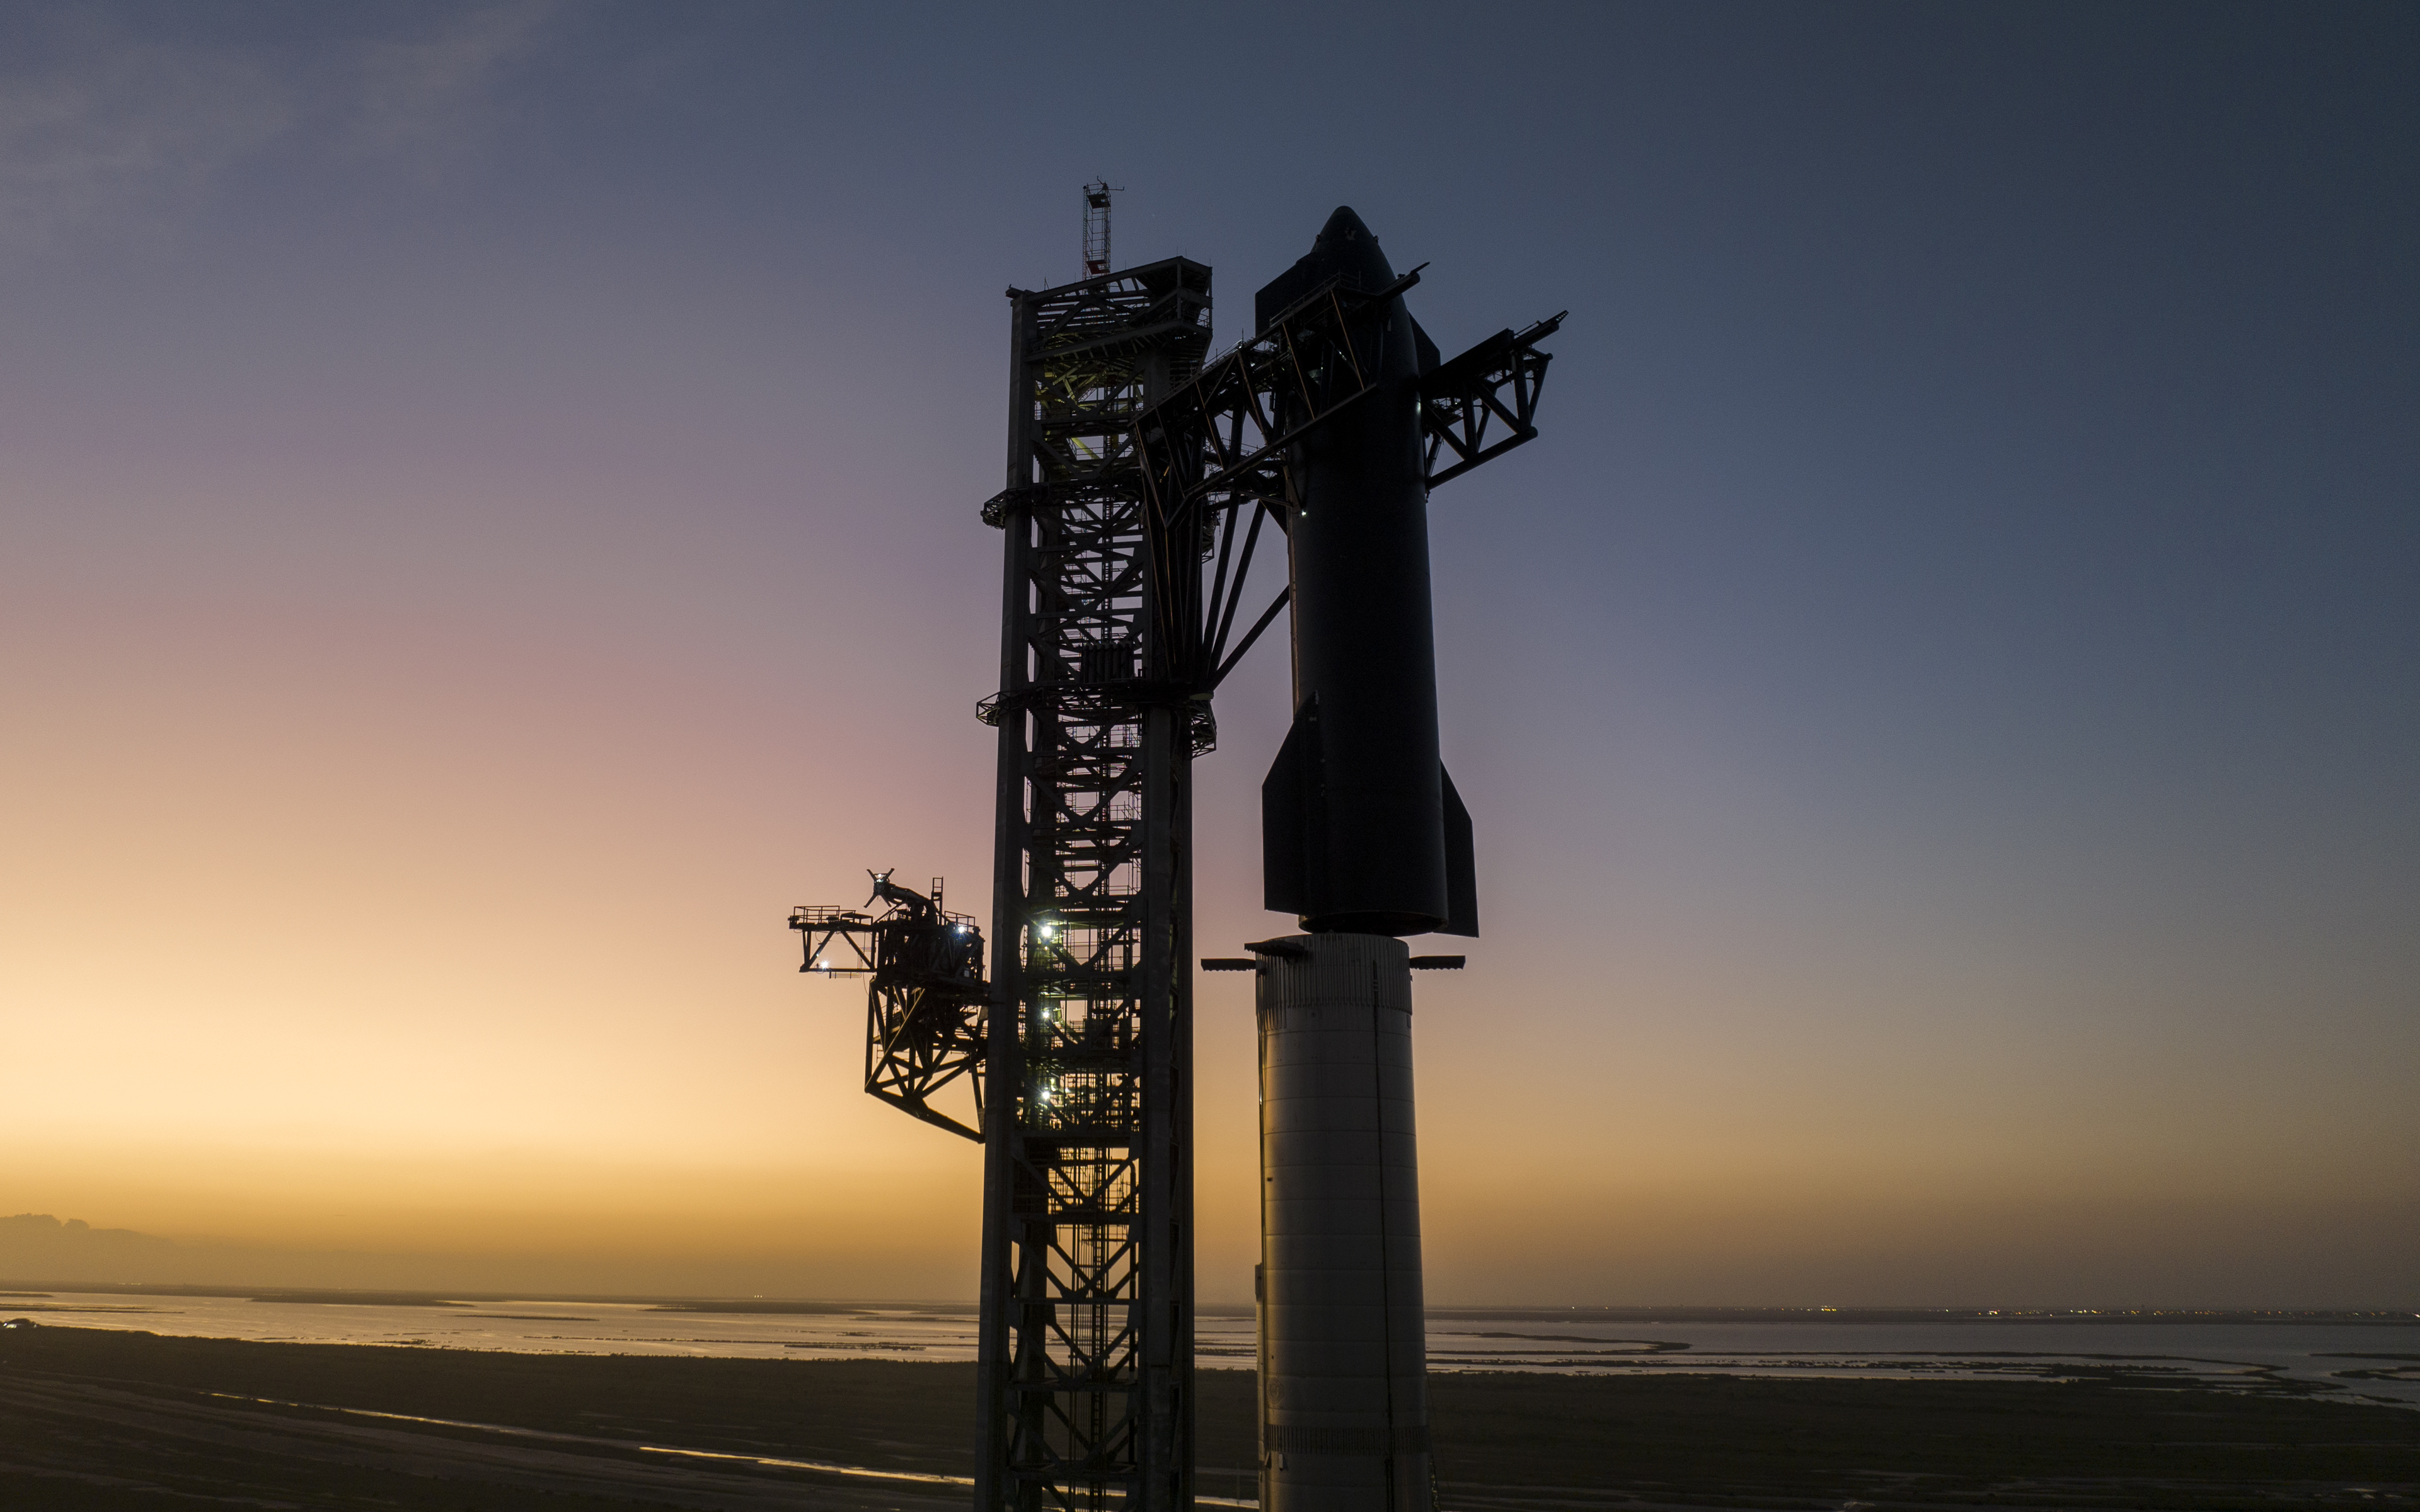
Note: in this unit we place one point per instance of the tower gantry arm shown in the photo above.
(925, 1000)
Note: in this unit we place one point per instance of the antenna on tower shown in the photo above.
(1096, 227)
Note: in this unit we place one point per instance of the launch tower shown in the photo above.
(1144, 479)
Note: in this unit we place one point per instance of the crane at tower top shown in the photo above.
(1096, 227)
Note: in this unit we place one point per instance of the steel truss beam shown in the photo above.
(1461, 399)
(1086, 1393)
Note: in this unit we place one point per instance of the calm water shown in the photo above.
(2249, 1356)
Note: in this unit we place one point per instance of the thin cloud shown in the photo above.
(126, 138)
(120, 136)
(431, 96)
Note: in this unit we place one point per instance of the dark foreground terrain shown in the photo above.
(93, 1420)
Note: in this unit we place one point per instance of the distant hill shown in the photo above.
(36, 1247)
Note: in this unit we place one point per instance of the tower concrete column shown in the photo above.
(1343, 1340)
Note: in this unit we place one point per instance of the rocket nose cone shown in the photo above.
(1346, 246)
(1341, 227)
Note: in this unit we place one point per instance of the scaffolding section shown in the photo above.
(1096, 227)
(1086, 1394)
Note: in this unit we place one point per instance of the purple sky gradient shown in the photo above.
(487, 522)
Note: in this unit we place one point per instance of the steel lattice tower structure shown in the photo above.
(1142, 473)
(1087, 1346)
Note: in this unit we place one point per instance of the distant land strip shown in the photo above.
(1457, 1312)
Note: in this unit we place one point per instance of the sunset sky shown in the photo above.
(487, 522)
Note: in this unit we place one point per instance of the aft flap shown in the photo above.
(1294, 821)
(1460, 864)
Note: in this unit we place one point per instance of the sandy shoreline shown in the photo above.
(108, 1418)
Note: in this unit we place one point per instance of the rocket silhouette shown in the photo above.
(1362, 830)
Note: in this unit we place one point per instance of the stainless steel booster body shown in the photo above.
(1343, 1397)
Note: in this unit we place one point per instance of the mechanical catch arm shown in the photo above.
(926, 1004)
(1216, 451)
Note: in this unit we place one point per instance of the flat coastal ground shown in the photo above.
(93, 1420)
